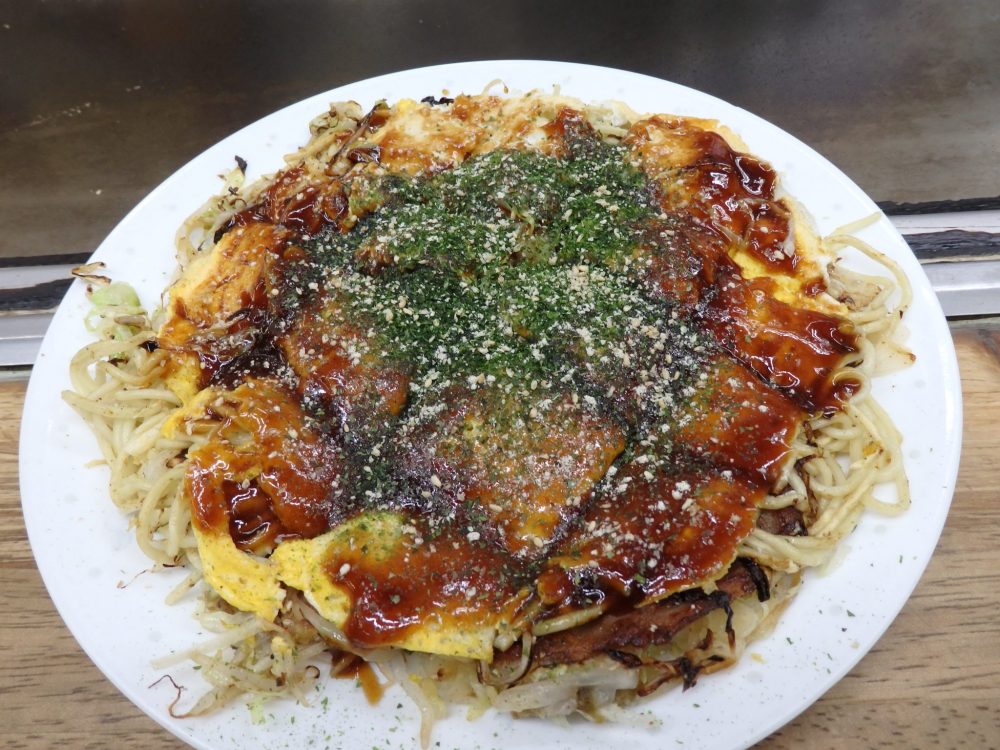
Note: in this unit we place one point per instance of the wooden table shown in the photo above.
(932, 681)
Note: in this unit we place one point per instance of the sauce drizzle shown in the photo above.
(533, 374)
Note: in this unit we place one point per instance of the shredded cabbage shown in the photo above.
(112, 306)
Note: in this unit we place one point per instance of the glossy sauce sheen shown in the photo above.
(614, 440)
(362, 671)
(263, 476)
(729, 194)
(405, 588)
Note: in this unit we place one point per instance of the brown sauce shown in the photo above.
(739, 423)
(369, 682)
(295, 205)
(664, 533)
(253, 524)
(446, 580)
(670, 528)
(730, 194)
(279, 490)
(795, 349)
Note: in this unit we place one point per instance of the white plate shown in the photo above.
(84, 549)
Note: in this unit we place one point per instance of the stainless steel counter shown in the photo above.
(100, 101)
